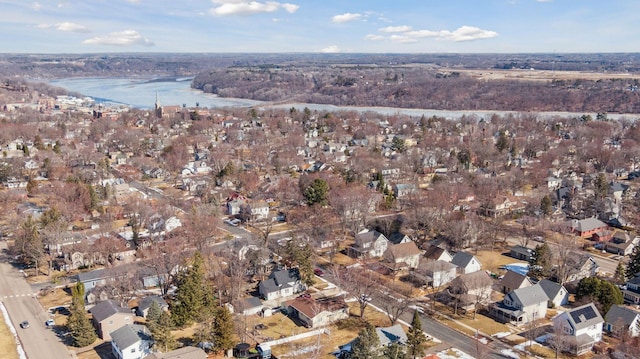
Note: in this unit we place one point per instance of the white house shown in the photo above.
(521, 306)
(557, 293)
(438, 273)
(403, 255)
(467, 263)
(131, 341)
(370, 244)
(583, 325)
(281, 283)
(622, 318)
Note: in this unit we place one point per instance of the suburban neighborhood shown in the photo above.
(191, 232)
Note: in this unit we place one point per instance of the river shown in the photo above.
(141, 93)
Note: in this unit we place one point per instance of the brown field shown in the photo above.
(491, 261)
(539, 75)
(7, 342)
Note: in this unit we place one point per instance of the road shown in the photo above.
(20, 301)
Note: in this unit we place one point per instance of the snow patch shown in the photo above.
(12, 329)
(501, 335)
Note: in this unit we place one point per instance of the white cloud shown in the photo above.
(71, 27)
(544, 0)
(346, 17)
(43, 26)
(404, 34)
(395, 29)
(468, 33)
(374, 37)
(331, 49)
(36, 6)
(121, 38)
(240, 7)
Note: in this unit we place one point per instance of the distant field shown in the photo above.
(540, 75)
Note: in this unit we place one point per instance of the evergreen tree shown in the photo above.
(365, 346)
(502, 143)
(316, 192)
(601, 186)
(164, 341)
(620, 274)
(153, 315)
(600, 291)
(541, 262)
(416, 341)
(78, 324)
(223, 330)
(191, 298)
(395, 351)
(546, 206)
(300, 254)
(633, 267)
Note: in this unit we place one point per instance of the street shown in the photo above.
(37, 341)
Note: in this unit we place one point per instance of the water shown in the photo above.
(141, 93)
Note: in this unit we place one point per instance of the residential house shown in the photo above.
(553, 183)
(620, 319)
(403, 190)
(587, 227)
(467, 263)
(514, 280)
(109, 316)
(471, 289)
(145, 303)
(521, 253)
(622, 243)
(313, 313)
(578, 266)
(386, 337)
(583, 325)
(403, 255)
(435, 253)
(281, 283)
(556, 292)
(632, 293)
(131, 341)
(619, 190)
(391, 335)
(250, 306)
(398, 238)
(500, 206)
(369, 243)
(256, 210)
(437, 273)
(521, 306)
(181, 353)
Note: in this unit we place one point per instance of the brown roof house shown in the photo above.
(109, 316)
(403, 255)
(514, 280)
(435, 253)
(313, 313)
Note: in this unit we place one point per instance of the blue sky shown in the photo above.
(371, 26)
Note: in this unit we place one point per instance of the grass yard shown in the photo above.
(492, 261)
(483, 324)
(55, 298)
(7, 342)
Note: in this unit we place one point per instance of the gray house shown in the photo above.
(108, 316)
(145, 303)
(131, 341)
(556, 292)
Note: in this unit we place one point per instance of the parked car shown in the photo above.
(319, 272)
(24, 325)
(50, 323)
(232, 221)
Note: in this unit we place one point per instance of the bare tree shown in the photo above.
(394, 300)
(361, 284)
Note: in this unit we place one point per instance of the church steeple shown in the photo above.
(157, 106)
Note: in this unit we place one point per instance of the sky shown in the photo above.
(338, 26)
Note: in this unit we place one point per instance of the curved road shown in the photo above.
(20, 301)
